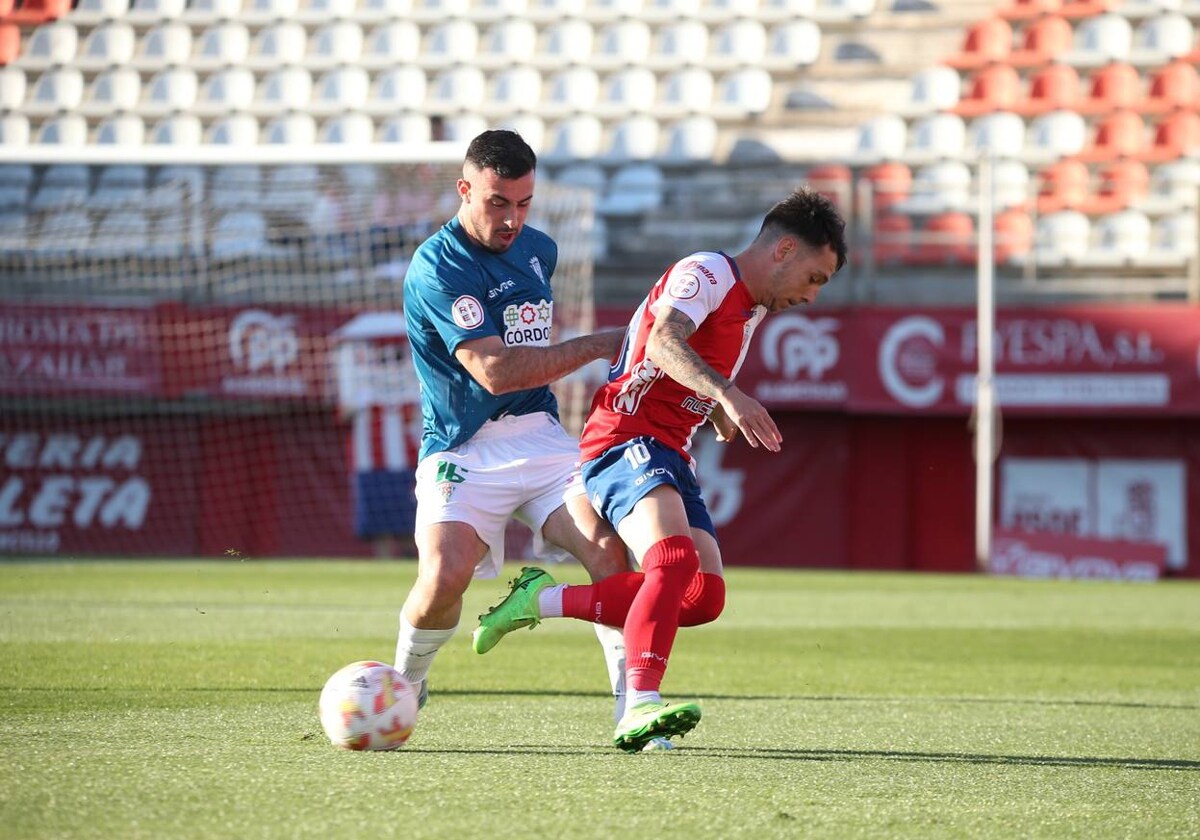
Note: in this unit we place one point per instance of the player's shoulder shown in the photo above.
(709, 265)
(540, 242)
(440, 261)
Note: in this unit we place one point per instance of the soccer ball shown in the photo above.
(368, 706)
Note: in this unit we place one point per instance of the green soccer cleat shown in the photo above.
(518, 609)
(649, 721)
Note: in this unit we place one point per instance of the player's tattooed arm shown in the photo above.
(502, 369)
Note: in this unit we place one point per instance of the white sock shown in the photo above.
(550, 601)
(415, 649)
(612, 641)
(637, 697)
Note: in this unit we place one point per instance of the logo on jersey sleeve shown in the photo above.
(684, 286)
(528, 323)
(467, 312)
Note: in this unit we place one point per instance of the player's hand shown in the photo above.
(727, 430)
(751, 418)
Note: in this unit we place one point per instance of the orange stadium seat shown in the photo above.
(1177, 85)
(1013, 235)
(1063, 185)
(1175, 135)
(996, 87)
(6, 8)
(892, 239)
(33, 12)
(891, 182)
(10, 43)
(1075, 9)
(945, 239)
(1053, 87)
(985, 41)
(1042, 40)
(1118, 185)
(1119, 134)
(1115, 85)
(834, 181)
(1028, 9)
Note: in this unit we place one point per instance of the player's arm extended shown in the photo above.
(502, 369)
(667, 346)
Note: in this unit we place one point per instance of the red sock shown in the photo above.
(604, 602)
(703, 601)
(653, 619)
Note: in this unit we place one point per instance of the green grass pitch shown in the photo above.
(178, 700)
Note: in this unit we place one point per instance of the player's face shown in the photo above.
(799, 274)
(494, 208)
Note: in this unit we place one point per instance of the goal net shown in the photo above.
(204, 358)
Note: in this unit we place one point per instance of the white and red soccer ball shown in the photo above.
(368, 706)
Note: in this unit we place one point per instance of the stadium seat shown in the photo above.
(1021, 10)
(1119, 134)
(464, 126)
(1175, 85)
(945, 239)
(996, 87)
(408, 127)
(574, 89)
(1119, 238)
(491, 10)
(452, 42)
(986, 41)
(1160, 39)
(775, 10)
(633, 189)
(390, 43)
(177, 130)
(627, 91)
(621, 43)
(173, 89)
(933, 89)
(891, 238)
(397, 89)
(881, 138)
(60, 89)
(1061, 238)
(891, 183)
(110, 44)
(10, 42)
(530, 126)
(432, 11)
(742, 93)
(143, 13)
(1174, 186)
(1119, 185)
(687, 90)
(239, 233)
(285, 89)
(167, 44)
(1012, 238)
(456, 88)
(574, 138)
(171, 235)
(935, 137)
(1000, 133)
(63, 130)
(340, 89)
(555, 10)
(336, 43)
(633, 138)
(16, 231)
(678, 43)
(507, 42)
(608, 10)
(719, 11)
(235, 187)
(204, 13)
(12, 88)
(657, 11)
(120, 185)
(64, 232)
(50, 44)
(318, 12)
(1100, 40)
(1175, 135)
(233, 130)
(939, 187)
(690, 140)
(291, 129)
(835, 181)
(14, 129)
(842, 11)
(121, 129)
(221, 45)
(1053, 87)
(735, 44)
(587, 176)
(1079, 9)
(1010, 184)
(564, 41)
(121, 232)
(16, 186)
(1173, 241)
(281, 44)
(355, 129)
(176, 186)
(1112, 87)
(1054, 135)
(115, 89)
(512, 89)
(231, 89)
(1063, 185)
(262, 12)
(35, 12)
(1042, 40)
(379, 11)
(792, 44)
(62, 185)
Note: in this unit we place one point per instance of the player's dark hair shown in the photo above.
(504, 152)
(813, 218)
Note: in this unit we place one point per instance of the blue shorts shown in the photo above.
(619, 478)
(385, 503)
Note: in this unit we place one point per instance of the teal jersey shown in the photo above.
(455, 291)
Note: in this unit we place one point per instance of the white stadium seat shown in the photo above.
(506, 42)
(686, 91)
(291, 129)
(259, 12)
(115, 89)
(12, 87)
(109, 44)
(677, 43)
(400, 88)
(1100, 40)
(719, 11)
(173, 89)
(16, 230)
(565, 41)
(743, 93)
(50, 44)
(390, 43)
(575, 138)
(221, 45)
(231, 89)
(60, 89)
(530, 126)
(568, 91)
(449, 43)
(737, 43)
(121, 129)
(1061, 238)
(633, 138)
(149, 12)
(490, 10)
(628, 91)
(177, 130)
(665, 10)
(621, 43)
(63, 130)
(1120, 238)
(341, 89)
(14, 129)
(283, 43)
(233, 130)
(881, 138)
(315, 12)
(939, 187)
(841, 11)
(356, 129)
(464, 126)
(456, 88)
(1174, 186)
(774, 10)
(552, 10)
(201, 13)
(933, 89)
(997, 133)
(339, 42)
(587, 176)
(166, 45)
(1160, 39)
(690, 140)
(1010, 183)
(96, 12)
(239, 233)
(515, 88)
(633, 189)
(284, 89)
(1173, 240)
(1054, 135)
(609, 10)
(792, 44)
(431, 11)
(411, 127)
(935, 137)
(176, 185)
(377, 11)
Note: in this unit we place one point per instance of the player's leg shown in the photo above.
(704, 599)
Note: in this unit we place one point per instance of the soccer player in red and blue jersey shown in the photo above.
(675, 370)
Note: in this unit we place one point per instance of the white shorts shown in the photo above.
(522, 467)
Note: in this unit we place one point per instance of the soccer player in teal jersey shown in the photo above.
(479, 312)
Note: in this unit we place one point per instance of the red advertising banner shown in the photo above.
(1044, 555)
(91, 349)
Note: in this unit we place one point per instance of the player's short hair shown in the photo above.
(504, 152)
(812, 217)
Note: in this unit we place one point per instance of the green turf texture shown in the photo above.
(178, 700)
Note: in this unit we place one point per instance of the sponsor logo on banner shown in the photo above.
(264, 349)
(528, 323)
(1059, 556)
(800, 351)
(908, 361)
(68, 481)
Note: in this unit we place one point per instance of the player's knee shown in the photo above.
(704, 601)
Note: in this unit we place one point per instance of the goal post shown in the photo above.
(174, 324)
